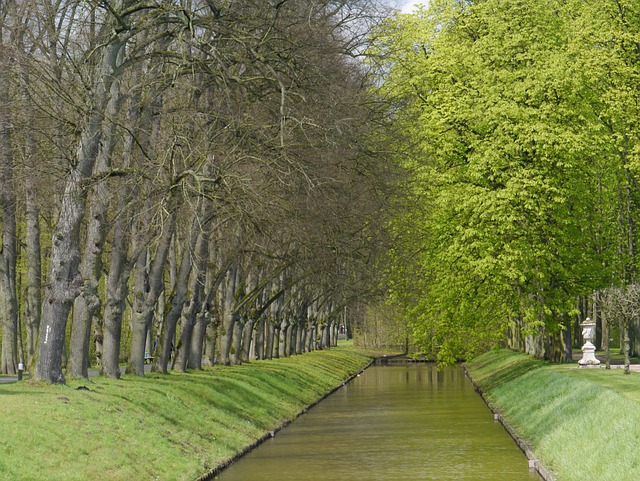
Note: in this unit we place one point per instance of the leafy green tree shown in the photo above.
(502, 139)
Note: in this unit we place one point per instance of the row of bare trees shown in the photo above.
(189, 180)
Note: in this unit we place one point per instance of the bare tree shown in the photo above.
(8, 252)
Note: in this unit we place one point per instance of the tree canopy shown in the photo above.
(516, 123)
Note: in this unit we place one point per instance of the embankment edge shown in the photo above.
(534, 462)
(209, 475)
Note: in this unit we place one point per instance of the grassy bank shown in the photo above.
(173, 427)
(581, 423)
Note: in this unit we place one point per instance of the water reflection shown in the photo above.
(393, 423)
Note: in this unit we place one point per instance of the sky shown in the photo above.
(407, 6)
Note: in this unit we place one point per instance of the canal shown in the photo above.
(393, 423)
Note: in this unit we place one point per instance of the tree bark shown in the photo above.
(269, 337)
(179, 298)
(193, 310)
(197, 340)
(64, 282)
(8, 254)
(147, 290)
(229, 315)
(627, 361)
(605, 338)
(88, 302)
(117, 291)
(32, 293)
(283, 344)
(211, 342)
(203, 319)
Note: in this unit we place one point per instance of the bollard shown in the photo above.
(20, 369)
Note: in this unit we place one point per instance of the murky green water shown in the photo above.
(393, 423)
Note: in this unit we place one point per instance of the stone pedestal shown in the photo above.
(588, 349)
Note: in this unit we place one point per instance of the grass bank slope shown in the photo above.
(160, 427)
(584, 424)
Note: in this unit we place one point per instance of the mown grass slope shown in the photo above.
(160, 427)
(584, 424)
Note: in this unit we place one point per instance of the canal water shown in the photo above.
(402, 422)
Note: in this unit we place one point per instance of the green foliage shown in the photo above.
(520, 156)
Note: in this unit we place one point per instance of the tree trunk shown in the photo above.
(211, 342)
(326, 335)
(311, 334)
(121, 265)
(302, 339)
(627, 361)
(605, 338)
(283, 344)
(230, 317)
(275, 343)
(247, 339)
(64, 282)
(88, 302)
(197, 341)
(270, 335)
(147, 290)
(259, 339)
(236, 343)
(8, 254)
(178, 301)
(33, 290)
(193, 309)
(117, 291)
(203, 319)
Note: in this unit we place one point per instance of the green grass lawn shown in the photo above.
(160, 427)
(582, 423)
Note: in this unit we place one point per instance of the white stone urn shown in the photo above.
(588, 349)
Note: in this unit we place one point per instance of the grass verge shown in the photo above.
(160, 427)
(581, 423)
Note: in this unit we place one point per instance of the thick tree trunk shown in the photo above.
(326, 336)
(230, 316)
(64, 281)
(246, 338)
(534, 345)
(8, 254)
(283, 342)
(259, 339)
(108, 339)
(211, 352)
(203, 319)
(177, 302)
(147, 290)
(301, 339)
(270, 335)
(88, 302)
(117, 291)
(196, 287)
(8, 304)
(197, 340)
(33, 289)
(238, 338)
(311, 336)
